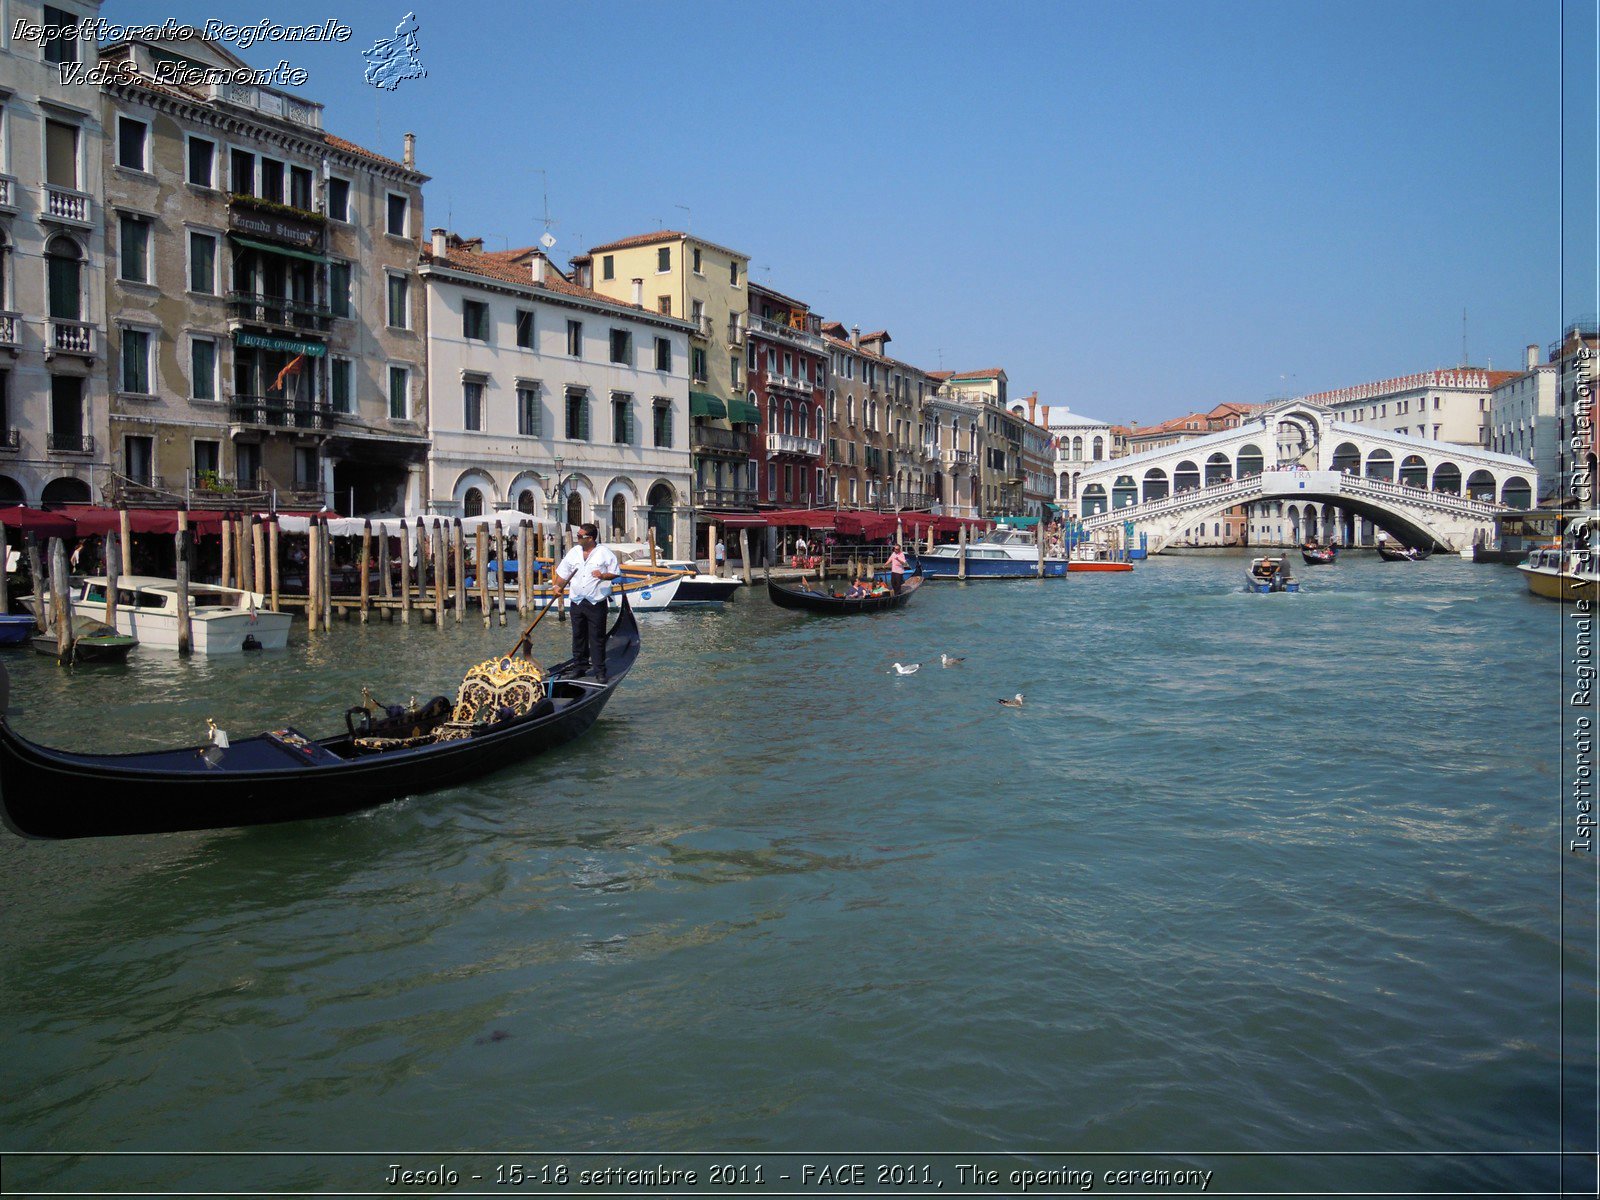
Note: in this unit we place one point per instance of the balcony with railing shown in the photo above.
(70, 337)
(709, 439)
(253, 308)
(68, 204)
(957, 458)
(794, 445)
(735, 331)
(785, 332)
(10, 331)
(724, 497)
(789, 383)
(8, 191)
(71, 442)
(276, 413)
(10, 439)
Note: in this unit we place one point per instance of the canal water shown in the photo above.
(1266, 886)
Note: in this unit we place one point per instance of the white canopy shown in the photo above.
(509, 520)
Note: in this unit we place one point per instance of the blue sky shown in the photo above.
(1136, 208)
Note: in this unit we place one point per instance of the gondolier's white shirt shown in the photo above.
(577, 573)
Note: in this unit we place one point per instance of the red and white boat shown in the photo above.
(1092, 556)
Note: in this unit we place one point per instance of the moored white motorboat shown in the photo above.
(696, 588)
(1558, 574)
(1002, 554)
(222, 620)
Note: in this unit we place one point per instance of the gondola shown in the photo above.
(1401, 553)
(1316, 555)
(809, 598)
(507, 710)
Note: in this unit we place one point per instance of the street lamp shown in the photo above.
(560, 516)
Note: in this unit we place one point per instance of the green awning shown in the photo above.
(704, 404)
(271, 249)
(742, 412)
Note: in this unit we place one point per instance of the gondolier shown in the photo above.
(586, 574)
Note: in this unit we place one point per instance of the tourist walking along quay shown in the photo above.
(679, 601)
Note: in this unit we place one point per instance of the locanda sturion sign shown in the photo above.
(283, 229)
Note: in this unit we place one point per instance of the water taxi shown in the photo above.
(1558, 574)
(1003, 554)
(1268, 574)
(222, 620)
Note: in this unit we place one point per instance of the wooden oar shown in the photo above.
(528, 632)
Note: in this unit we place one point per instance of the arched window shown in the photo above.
(5, 269)
(805, 421)
(619, 516)
(65, 273)
(525, 501)
(833, 405)
(788, 416)
(1077, 446)
(574, 509)
(772, 415)
(1099, 449)
(472, 503)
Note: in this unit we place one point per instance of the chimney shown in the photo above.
(1033, 402)
(410, 159)
(855, 336)
(1044, 415)
(1532, 358)
(438, 242)
(538, 268)
(638, 292)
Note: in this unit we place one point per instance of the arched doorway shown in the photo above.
(1124, 492)
(1250, 462)
(1480, 486)
(1516, 492)
(1447, 478)
(1185, 477)
(619, 517)
(11, 491)
(1347, 458)
(1380, 465)
(1094, 499)
(1413, 471)
(65, 491)
(1218, 469)
(1155, 484)
(660, 501)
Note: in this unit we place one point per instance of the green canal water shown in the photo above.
(1268, 886)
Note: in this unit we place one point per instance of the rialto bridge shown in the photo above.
(1327, 479)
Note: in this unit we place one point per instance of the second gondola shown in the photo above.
(808, 597)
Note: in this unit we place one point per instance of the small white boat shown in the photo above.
(222, 620)
(645, 593)
(1269, 574)
(696, 587)
(1002, 554)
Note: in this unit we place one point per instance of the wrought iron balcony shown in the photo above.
(785, 332)
(729, 497)
(789, 443)
(276, 413)
(723, 441)
(279, 311)
(71, 443)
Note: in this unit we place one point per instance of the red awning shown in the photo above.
(806, 518)
(90, 520)
(46, 524)
(738, 520)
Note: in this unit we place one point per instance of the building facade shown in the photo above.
(1523, 418)
(553, 399)
(53, 406)
(952, 431)
(786, 379)
(265, 332)
(1079, 441)
(1447, 405)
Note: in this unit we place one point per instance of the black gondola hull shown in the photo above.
(50, 793)
(804, 600)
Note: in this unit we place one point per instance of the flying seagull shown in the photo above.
(907, 669)
(1017, 703)
(950, 660)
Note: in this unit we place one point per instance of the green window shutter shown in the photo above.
(583, 419)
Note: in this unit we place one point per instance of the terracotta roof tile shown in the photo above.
(640, 239)
(516, 267)
(339, 143)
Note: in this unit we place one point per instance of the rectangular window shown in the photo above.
(525, 328)
(621, 346)
(202, 162)
(733, 273)
(399, 393)
(338, 199)
(577, 416)
(138, 454)
(339, 289)
(300, 188)
(530, 413)
(772, 481)
(202, 263)
(664, 259)
(203, 368)
(272, 180)
(134, 240)
(61, 154)
(399, 302)
(136, 361)
(207, 460)
(341, 385)
(242, 173)
(622, 420)
(307, 469)
(575, 338)
(664, 305)
(733, 369)
(697, 363)
(697, 269)
(608, 267)
(472, 405)
(59, 49)
(663, 354)
(661, 423)
(475, 320)
(396, 223)
(247, 462)
(133, 144)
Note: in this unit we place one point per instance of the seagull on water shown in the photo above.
(1016, 703)
(907, 669)
(950, 660)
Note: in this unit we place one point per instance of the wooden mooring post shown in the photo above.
(113, 553)
(405, 572)
(500, 569)
(273, 575)
(41, 582)
(61, 599)
(366, 583)
(441, 571)
(181, 541)
(480, 552)
(458, 560)
(313, 578)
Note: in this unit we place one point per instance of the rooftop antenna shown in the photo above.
(547, 239)
(1464, 359)
(688, 216)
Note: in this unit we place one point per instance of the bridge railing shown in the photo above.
(1177, 501)
(1405, 491)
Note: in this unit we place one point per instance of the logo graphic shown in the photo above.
(392, 60)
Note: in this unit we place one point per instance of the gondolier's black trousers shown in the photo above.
(589, 637)
(897, 580)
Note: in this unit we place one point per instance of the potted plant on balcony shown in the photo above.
(210, 481)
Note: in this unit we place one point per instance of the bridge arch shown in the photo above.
(1516, 492)
(1250, 461)
(1380, 465)
(1094, 499)
(1124, 492)
(1347, 458)
(1155, 484)
(1218, 468)
(1413, 471)
(1185, 476)
(1481, 486)
(1447, 478)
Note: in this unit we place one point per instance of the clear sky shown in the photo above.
(1137, 208)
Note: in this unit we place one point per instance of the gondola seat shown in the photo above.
(499, 689)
